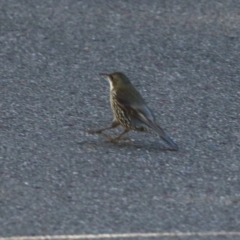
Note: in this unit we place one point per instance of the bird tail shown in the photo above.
(164, 136)
(158, 129)
(167, 139)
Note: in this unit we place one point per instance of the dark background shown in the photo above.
(183, 56)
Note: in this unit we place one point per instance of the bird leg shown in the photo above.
(113, 125)
(115, 139)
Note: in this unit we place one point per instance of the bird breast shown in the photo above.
(112, 95)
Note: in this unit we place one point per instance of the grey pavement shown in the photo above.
(56, 179)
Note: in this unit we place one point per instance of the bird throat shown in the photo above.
(111, 84)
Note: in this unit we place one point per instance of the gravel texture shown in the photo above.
(55, 178)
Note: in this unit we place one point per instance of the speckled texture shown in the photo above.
(183, 56)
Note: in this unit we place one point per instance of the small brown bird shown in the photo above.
(130, 110)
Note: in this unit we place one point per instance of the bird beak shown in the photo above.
(104, 74)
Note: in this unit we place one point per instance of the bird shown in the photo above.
(130, 110)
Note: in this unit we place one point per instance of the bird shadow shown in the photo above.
(150, 146)
(105, 141)
(140, 145)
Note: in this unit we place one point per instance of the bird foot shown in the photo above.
(116, 139)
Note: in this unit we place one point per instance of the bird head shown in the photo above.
(116, 79)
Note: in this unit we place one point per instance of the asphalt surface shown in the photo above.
(183, 56)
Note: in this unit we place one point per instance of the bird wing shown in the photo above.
(132, 102)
